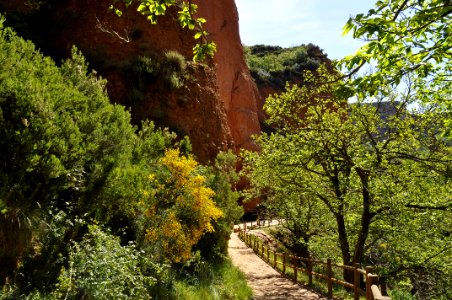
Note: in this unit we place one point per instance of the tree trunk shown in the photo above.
(366, 217)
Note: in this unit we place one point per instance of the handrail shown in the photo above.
(257, 224)
(372, 291)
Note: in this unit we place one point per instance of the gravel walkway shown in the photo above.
(266, 283)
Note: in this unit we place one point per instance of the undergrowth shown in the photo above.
(209, 281)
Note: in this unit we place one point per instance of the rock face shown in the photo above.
(235, 85)
(217, 107)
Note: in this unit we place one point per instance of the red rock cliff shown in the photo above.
(235, 85)
(216, 108)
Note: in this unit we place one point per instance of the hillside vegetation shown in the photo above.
(364, 181)
(356, 161)
(95, 208)
(273, 66)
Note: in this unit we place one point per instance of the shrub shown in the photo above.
(175, 61)
(100, 268)
(177, 207)
(146, 66)
(212, 281)
(169, 71)
(175, 68)
(222, 178)
(60, 137)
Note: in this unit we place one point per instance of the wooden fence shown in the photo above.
(256, 224)
(293, 266)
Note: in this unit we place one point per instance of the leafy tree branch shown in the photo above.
(186, 11)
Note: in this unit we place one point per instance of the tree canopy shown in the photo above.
(404, 38)
(370, 174)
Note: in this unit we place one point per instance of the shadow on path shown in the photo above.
(266, 283)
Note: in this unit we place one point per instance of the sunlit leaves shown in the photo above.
(404, 37)
(376, 169)
(178, 207)
(186, 11)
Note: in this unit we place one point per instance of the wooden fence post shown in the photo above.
(295, 269)
(356, 279)
(262, 250)
(275, 259)
(369, 270)
(268, 254)
(309, 271)
(330, 275)
(284, 263)
(373, 280)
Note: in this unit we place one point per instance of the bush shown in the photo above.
(177, 207)
(168, 71)
(222, 178)
(100, 268)
(211, 281)
(60, 137)
(175, 61)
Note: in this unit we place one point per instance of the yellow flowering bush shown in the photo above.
(178, 207)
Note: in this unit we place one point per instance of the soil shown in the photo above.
(265, 282)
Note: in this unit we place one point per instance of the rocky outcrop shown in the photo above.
(217, 105)
(235, 85)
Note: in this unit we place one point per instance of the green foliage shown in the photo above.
(176, 68)
(54, 132)
(369, 181)
(274, 66)
(222, 178)
(215, 280)
(186, 11)
(404, 37)
(64, 147)
(71, 158)
(177, 207)
(100, 268)
(169, 71)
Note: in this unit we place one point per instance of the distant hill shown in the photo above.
(272, 66)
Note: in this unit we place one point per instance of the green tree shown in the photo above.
(64, 148)
(376, 176)
(405, 37)
(59, 138)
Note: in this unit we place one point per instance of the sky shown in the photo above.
(289, 23)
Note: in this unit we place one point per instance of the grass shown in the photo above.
(223, 282)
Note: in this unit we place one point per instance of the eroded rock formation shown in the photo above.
(217, 105)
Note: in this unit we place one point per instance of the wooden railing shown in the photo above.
(256, 224)
(291, 266)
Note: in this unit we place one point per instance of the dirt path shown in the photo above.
(266, 283)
